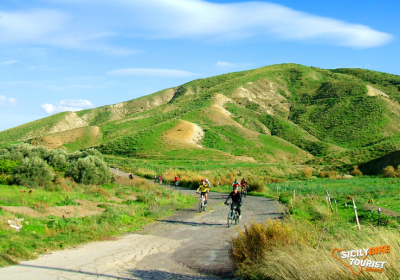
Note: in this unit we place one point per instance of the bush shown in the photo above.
(332, 174)
(32, 172)
(7, 166)
(58, 160)
(390, 172)
(356, 171)
(6, 179)
(249, 246)
(89, 170)
(307, 172)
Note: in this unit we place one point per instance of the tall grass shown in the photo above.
(279, 250)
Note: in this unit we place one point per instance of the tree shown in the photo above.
(89, 170)
(33, 171)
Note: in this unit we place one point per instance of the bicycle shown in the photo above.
(233, 216)
(202, 206)
(244, 191)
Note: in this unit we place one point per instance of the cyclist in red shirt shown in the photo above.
(176, 179)
(243, 184)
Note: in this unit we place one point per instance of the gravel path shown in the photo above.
(187, 245)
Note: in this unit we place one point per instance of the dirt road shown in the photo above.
(187, 245)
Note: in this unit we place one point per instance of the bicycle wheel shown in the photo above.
(236, 218)
(230, 219)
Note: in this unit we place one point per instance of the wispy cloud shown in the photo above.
(189, 18)
(145, 72)
(8, 62)
(67, 105)
(225, 64)
(7, 101)
(41, 67)
(169, 19)
(46, 27)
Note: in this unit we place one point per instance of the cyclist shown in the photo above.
(155, 178)
(243, 184)
(176, 179)
(236, 199)
(204, 190)
(236, 183)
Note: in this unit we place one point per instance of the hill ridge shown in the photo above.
(278, 113)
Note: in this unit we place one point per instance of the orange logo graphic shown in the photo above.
(351, 269)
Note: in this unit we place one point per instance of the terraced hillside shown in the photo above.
(280, 113)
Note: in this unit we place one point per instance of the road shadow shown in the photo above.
(159, 274)
(81, 272)
(188, 223)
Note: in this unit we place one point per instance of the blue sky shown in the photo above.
(60, 55)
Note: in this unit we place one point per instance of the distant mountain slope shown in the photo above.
(278, 113)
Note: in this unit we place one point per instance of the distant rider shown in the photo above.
(236, 199)
(236, 184)
(176, 179)
(155, 178)
(243, 184)
(204, 189)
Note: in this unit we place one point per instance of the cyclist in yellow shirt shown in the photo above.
(204, 189)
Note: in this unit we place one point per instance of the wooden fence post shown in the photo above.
(355, 211)
(329, 201)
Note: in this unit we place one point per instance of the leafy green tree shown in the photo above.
(58, 160)
(89, 170)
(32, 172)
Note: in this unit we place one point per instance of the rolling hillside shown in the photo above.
(279, 113)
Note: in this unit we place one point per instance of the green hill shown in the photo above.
(275, 114)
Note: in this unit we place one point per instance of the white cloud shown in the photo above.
(6, 101)
(8, 62)
(225, 64)
(145, 72)
(71, 26)
(67, 105)
(47, 27)
(82, 103)
(202, 19)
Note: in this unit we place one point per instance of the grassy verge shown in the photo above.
(301, 247)
(127, 208)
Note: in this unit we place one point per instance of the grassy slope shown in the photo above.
(323, 112)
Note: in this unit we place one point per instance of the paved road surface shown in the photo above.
(187, 245)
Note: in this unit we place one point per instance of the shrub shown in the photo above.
(249, 246)
(89, 170)
(307, 172)
(356, 171)
(332, 174)
(32, 172)
(391, 172)
(74, 156)
(6, 179)
(7, 166)
(92, 152)
(58, 160)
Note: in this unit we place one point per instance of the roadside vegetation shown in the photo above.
(84, 213)
(34, 166)
(300, 246)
